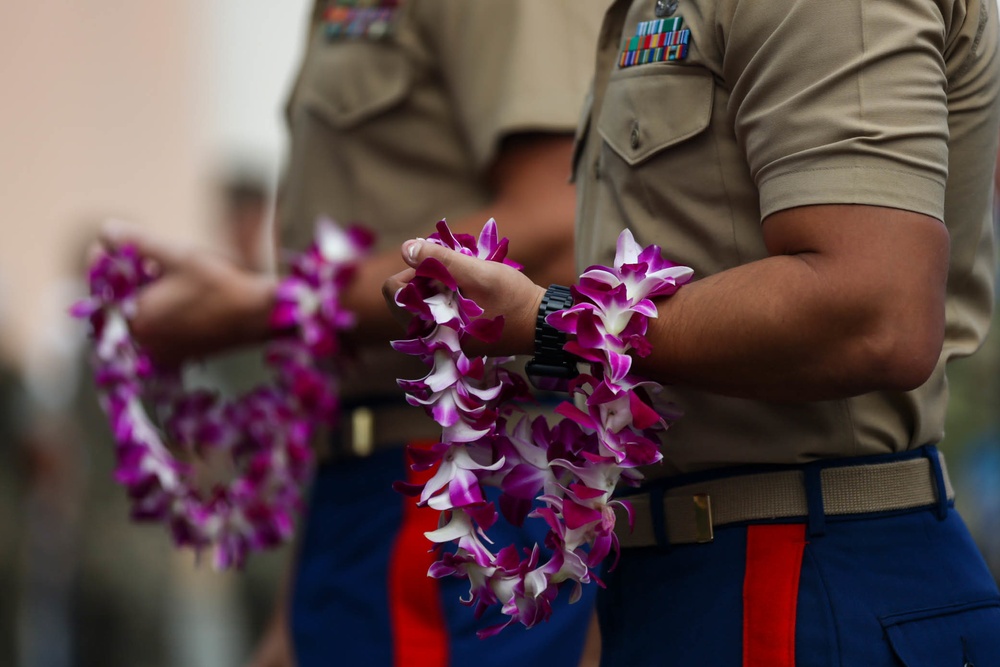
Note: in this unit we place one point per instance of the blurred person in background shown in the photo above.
(81, 583)
(94, 583)
(13, 408)
(243, 600)
(245, 221)
(215, 616)
(50, 507)
(403, 113)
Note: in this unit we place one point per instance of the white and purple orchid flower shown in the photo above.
(563, 474)
(265, 434)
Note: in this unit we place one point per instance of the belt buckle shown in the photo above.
(362, 431)
(702, 503)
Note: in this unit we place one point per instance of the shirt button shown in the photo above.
(597, 169)
(665, 8)
(634, 137)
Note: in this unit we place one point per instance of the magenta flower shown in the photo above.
(456, 475)
(461, 528)
(309, 298)
(489, 247)
(614, 305)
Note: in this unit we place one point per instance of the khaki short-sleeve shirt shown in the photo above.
(398, 114)
(774, 105)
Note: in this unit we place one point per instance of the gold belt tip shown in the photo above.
(362, 431)
(703, 518)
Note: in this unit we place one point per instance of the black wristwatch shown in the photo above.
(552, 367)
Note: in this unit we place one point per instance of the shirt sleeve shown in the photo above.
(515, 66)
(840, 102)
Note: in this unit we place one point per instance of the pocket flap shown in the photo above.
(957, 635)
(582, 129)
(360, 80)
(653, 108)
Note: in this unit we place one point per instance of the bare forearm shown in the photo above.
(769, 331)
(862, 312)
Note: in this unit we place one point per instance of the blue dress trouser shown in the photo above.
(340, 609)
(907, 588)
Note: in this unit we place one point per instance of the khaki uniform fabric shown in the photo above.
(397, 132)
(787, 104)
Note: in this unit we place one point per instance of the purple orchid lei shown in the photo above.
(263, 437)
(563, 474)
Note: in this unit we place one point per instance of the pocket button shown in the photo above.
(634, 137)
(665, 8)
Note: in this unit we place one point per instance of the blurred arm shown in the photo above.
(592, 645)
(534, 206)
(203, 303)
(275, 646)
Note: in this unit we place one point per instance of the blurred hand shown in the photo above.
(497, 288)
(274, 649)
(201, 303)
(592, 646)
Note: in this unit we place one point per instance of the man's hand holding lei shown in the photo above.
(468, 300)
(194, 303)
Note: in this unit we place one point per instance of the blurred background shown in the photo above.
(168, 115)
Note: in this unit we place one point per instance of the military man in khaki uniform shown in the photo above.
(403, 113)
(826, 169)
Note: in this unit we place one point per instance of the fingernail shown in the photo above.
(412, 248)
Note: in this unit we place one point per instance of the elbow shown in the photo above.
(903, 354)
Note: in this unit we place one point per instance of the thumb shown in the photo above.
(415, 251)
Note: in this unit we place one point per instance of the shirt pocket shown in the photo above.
(350, 81)
(659, 170)
(960, 635)
(651, 109)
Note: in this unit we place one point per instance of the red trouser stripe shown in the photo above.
(770, 594)
(419, 632)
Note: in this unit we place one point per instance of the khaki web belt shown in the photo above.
(691, 512)
(370, 428)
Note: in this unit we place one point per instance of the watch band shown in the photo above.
(551, 367)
